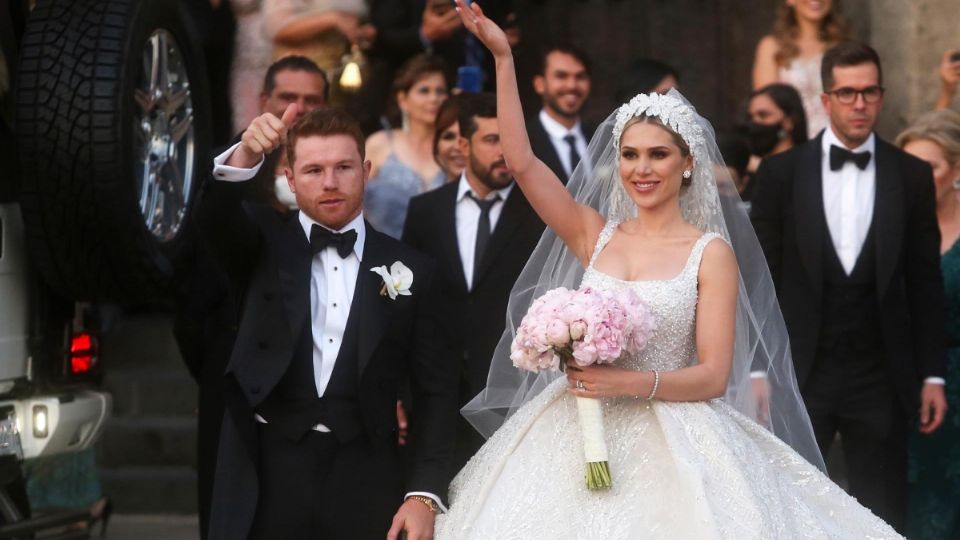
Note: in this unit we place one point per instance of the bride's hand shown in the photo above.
(487, 31)
(602, 381)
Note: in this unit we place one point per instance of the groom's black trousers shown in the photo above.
(320, 488)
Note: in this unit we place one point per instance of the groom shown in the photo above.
(848, 228)
(308, 446)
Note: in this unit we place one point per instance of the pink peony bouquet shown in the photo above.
(591, 327)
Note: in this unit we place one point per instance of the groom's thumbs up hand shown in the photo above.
(265, 134)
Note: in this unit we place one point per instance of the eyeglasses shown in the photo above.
(848, 96)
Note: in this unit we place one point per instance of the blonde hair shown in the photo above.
(786, 29)
(940, 127)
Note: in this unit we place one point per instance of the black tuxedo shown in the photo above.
(472, 319)
(277, 480)
(862, 344)
(205, 328)
(544, 149)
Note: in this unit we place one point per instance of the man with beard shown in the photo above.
(481, 231)
(557, 135)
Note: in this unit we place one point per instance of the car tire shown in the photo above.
(113, 127)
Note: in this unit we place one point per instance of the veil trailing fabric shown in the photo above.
(711, 203)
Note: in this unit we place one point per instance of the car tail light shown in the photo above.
(83, 353)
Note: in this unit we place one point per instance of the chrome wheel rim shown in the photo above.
(164, 143)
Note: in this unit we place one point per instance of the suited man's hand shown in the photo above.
(415, 519)
(933, 407)
(264, 135)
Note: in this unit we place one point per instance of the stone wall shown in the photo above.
(911, 36)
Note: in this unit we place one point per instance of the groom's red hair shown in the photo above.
(325, 122)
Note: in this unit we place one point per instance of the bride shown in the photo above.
(692, 450)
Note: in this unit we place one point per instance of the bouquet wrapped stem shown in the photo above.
(594, 445)
(590, 412)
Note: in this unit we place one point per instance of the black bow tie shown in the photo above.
(321, 238)
(839, 156)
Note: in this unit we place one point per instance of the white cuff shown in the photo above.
(758, 374)
(935, 380)
(426, 494)
(222, 171)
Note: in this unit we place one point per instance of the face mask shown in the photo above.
(284, 195)
(761, 138)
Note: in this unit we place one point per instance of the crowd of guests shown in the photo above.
(438, 180)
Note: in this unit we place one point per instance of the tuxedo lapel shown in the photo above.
(887, 216)
(544, 149)
(294, 259)
(367, 318)
(810, 217)
(448, 236)
(510, 218)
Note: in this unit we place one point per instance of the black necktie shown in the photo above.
(839, 156)
(574, 155)
(321, 238)
(483, 230)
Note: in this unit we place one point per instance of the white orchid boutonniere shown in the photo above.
(396, 281)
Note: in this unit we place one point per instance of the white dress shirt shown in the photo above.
(332, 283)
(556, 131)
(848, 198)
(467, 214)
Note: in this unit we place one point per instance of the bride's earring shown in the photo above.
(687, 174)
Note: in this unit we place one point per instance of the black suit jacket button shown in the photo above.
(262, 345)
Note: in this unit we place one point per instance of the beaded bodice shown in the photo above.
(673, 303)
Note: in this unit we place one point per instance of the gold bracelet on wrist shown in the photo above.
(430, 503)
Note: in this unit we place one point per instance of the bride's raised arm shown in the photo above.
(549, 198)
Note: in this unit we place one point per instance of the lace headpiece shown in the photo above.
(700, 201)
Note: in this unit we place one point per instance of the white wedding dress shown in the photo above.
(681, 470)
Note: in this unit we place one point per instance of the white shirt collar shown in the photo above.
(830, 139)
(356, 224)
(555, 129)
(463, 187)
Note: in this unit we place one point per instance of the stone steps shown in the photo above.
(147, 452)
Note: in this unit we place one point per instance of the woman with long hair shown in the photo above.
(402, 158)
(791, 54)
(446, 139)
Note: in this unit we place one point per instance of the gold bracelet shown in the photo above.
(430, 503)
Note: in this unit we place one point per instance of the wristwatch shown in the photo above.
(431, 504)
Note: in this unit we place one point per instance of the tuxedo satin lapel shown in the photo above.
(510, 218)
(887, 216)
(368, 309)
(809, 218)
(448, 235)
(294, 259)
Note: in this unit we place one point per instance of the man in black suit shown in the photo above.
(481, 230)
(205, 325)
(334, 316)
(848, 228)
(557, 134)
